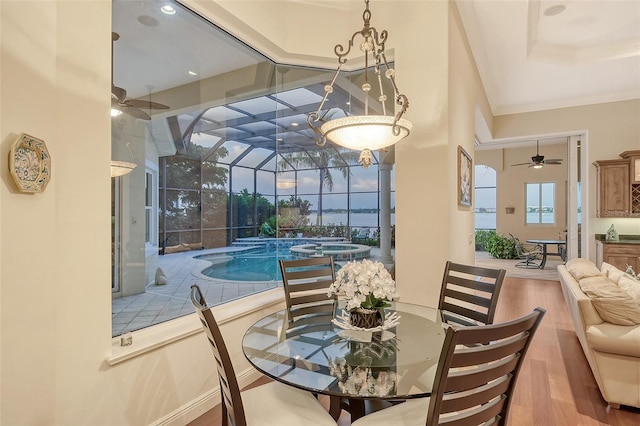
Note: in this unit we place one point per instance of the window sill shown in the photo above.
(160, 335)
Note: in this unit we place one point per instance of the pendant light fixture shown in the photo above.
(364, 132)
(121, 168)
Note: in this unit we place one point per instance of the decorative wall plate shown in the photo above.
(30, 163)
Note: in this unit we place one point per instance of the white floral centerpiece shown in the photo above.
(366, 285)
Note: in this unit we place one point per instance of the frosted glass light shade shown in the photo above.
(121, 168)
(365, 131)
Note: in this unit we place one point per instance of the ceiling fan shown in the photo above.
(538, 161)
(119, 101)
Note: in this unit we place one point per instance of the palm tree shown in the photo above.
(323, 160)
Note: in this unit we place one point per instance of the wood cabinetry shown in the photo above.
(619, 255)
(619, 186)
(634, 175)
(613, 188)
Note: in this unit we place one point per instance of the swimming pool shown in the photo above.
(261, 263)
(245, 266)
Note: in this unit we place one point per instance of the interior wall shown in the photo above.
(611, 128)
(424, 173)
(510, 188)
(55, 310)
(466, 96)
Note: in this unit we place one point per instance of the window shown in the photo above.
(151, 208)
(231, 171)
(540, 203)
(485, 197)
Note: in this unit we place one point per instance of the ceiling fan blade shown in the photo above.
(140, 103)
(119, 93)
(553, 160)
(521, 164)
(119, 99)
(134, 112)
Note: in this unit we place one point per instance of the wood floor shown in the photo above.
(556, 386)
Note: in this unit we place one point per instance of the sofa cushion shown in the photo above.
(582, 268)
(614, 339)
(630, 286)
(611, 271)
(612, 303)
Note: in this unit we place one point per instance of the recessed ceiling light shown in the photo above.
(193, 73)
(348, 103)
(294, 124)
(168, 10)
(278, 139)
(555, 10)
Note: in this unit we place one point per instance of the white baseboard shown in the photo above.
(205, 402)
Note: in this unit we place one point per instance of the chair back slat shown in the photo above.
(474, 299)
(488, 414)
(306, 283)
(464, 312)
(486, 393)
(478, 369)
(481, 376)
(293, 275)
(471, 292)
(315, 284)
(311, 310)
(232, 407)
(474, 284)
(499, 350)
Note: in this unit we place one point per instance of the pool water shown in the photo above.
(248, 267)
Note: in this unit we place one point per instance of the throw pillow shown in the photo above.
(582, 268)
(631, 287)
(611, 271)
(613, 304)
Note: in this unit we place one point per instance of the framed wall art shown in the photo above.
(465, 173)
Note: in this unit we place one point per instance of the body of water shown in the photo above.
(357, 219)
(488, 220)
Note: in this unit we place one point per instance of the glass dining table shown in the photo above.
(326, 357)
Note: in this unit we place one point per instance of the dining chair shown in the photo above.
(531, 256)
(469, 294)
(306, 283)
(475, 378)
(273, 403)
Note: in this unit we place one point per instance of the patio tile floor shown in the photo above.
(161, 303)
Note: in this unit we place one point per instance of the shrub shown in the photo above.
(482, 236)
(501, 247)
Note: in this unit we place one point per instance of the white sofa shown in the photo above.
(606, 323)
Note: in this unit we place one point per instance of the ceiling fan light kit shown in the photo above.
(121, 168)
(538, 161)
